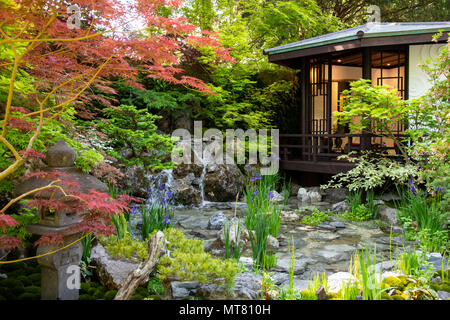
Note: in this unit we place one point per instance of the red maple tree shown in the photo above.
(69, 50)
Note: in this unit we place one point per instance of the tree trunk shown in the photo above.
(156, 249)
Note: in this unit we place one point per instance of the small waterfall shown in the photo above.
(204, 163)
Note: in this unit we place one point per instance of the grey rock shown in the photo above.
(280, 278)
(234, 225)
(337, 224)
(111, 273)
(3, 276)
(397, 230)
(302, 195)
(436, 280)
(184, 289)
(334, 253)
(335, 194)
(217, 221)
(340, 207)
(335, 281)
(388, 215)
(322, 236)
(246, 286)
(444, 295)
(222, 182)
(284, 264)
(386, 266)
(309, 196)
(276, 197)
(272, 243)
(247, 261)
(315, 197)
(300, 284)
(390, 197)
(326, 226)
(289, 216)
(60, 155)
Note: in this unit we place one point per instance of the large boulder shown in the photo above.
(388, 215)
(136, 180)
(111, 273)
(335, 194)
(186, 194)
(222, 182)
(309, 196)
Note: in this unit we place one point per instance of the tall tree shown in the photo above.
(70, 47)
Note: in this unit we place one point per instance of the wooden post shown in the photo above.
(367, 74)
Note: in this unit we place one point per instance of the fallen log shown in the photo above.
(156, 249)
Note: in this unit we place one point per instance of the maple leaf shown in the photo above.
(9, 242)
(7, 221)
(49, 239)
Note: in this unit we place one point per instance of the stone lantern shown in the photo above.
(59, 269)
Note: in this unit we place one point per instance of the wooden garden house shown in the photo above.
(385, 53)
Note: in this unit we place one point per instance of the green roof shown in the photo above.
(370, 30)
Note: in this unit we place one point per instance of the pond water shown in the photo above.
(316, 249)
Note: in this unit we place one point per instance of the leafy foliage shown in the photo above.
(135, 130)
(371, 172)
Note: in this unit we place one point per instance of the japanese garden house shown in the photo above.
(385, 53)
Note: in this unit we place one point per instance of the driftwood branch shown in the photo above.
(156, 249)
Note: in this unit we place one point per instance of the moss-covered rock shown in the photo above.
(25, 280)
(333, 296)
(397, 297)
(109, 295)
(443, 286)
(35, 279)
(29, 296)
(307, 295)
(85, 297)
(385, 296)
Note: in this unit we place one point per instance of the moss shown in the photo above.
(99, 293)
(110, 294)
(17, 273)
(385, 296)
(397, 297)
(91, 291)
(395, 282)
(443, 286)
(307, 295)
(85, 297)
(333, 296)
(137, 297)
(29, 296)
(85, 286)
(443, 275)
(35, 279)
(33, 289)
(25, 280)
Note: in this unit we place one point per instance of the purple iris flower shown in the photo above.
(412, 187)
(134, 209)
(166, 220)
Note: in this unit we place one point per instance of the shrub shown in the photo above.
(189, 262)
(316, 217)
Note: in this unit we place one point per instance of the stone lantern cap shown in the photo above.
(61, 157)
